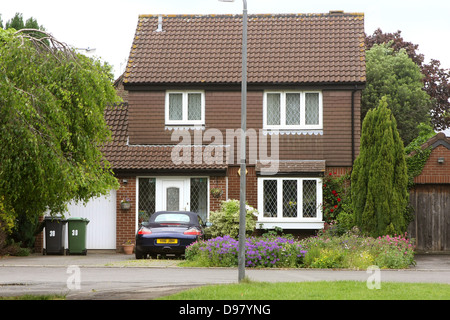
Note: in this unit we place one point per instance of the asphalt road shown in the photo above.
(106, 276)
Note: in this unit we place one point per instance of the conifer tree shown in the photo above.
(379, 178)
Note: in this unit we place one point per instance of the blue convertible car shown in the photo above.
(168, 232)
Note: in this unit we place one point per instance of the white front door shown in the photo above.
(174, 195)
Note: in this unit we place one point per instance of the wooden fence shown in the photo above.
(431, 226)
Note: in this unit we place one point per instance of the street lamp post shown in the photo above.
(242, 210)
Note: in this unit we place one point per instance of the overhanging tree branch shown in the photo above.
(52, 118)
(46, 43)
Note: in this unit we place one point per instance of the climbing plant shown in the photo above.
(416, 156)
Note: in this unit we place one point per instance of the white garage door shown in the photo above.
(101, 213)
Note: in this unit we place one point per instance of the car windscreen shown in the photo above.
(172, 217)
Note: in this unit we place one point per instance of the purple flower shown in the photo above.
(262, 252)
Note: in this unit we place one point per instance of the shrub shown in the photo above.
(226, 220)
(326, 258)
(335, 194)
(9, 247)
(337, 203)
(395, 252)
(352, 250)
(345, 221)
(5, 246)
(360, 260)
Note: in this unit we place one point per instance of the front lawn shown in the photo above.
(320, 290)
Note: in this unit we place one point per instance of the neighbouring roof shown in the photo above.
(435, 141)
(122, 156)
(282, 48)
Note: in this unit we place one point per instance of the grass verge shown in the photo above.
(316, 290)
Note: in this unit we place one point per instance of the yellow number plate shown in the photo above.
(166, 240)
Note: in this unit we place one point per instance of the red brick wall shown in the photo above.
(217, 182)
(434, 172)
(234, 185)
(125, 219)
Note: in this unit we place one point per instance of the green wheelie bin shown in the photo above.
(76, 230)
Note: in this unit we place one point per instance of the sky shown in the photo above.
(108, 26)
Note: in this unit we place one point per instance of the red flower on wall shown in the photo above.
(334, 195)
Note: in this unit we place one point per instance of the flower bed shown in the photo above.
(260, 252)
(357, 252)
(348, 251)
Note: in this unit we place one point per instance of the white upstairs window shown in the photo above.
(185, 108)
(293, 110)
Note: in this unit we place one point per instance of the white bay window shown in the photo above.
(290, 203)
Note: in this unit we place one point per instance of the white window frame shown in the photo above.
(298, 222)
(185, 120)
(282, 124)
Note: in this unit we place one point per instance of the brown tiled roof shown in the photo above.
(437, 140)
(282, 48)
(157, 157)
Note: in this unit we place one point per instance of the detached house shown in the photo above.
(175, 144)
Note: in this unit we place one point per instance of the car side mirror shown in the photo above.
(208, 224)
